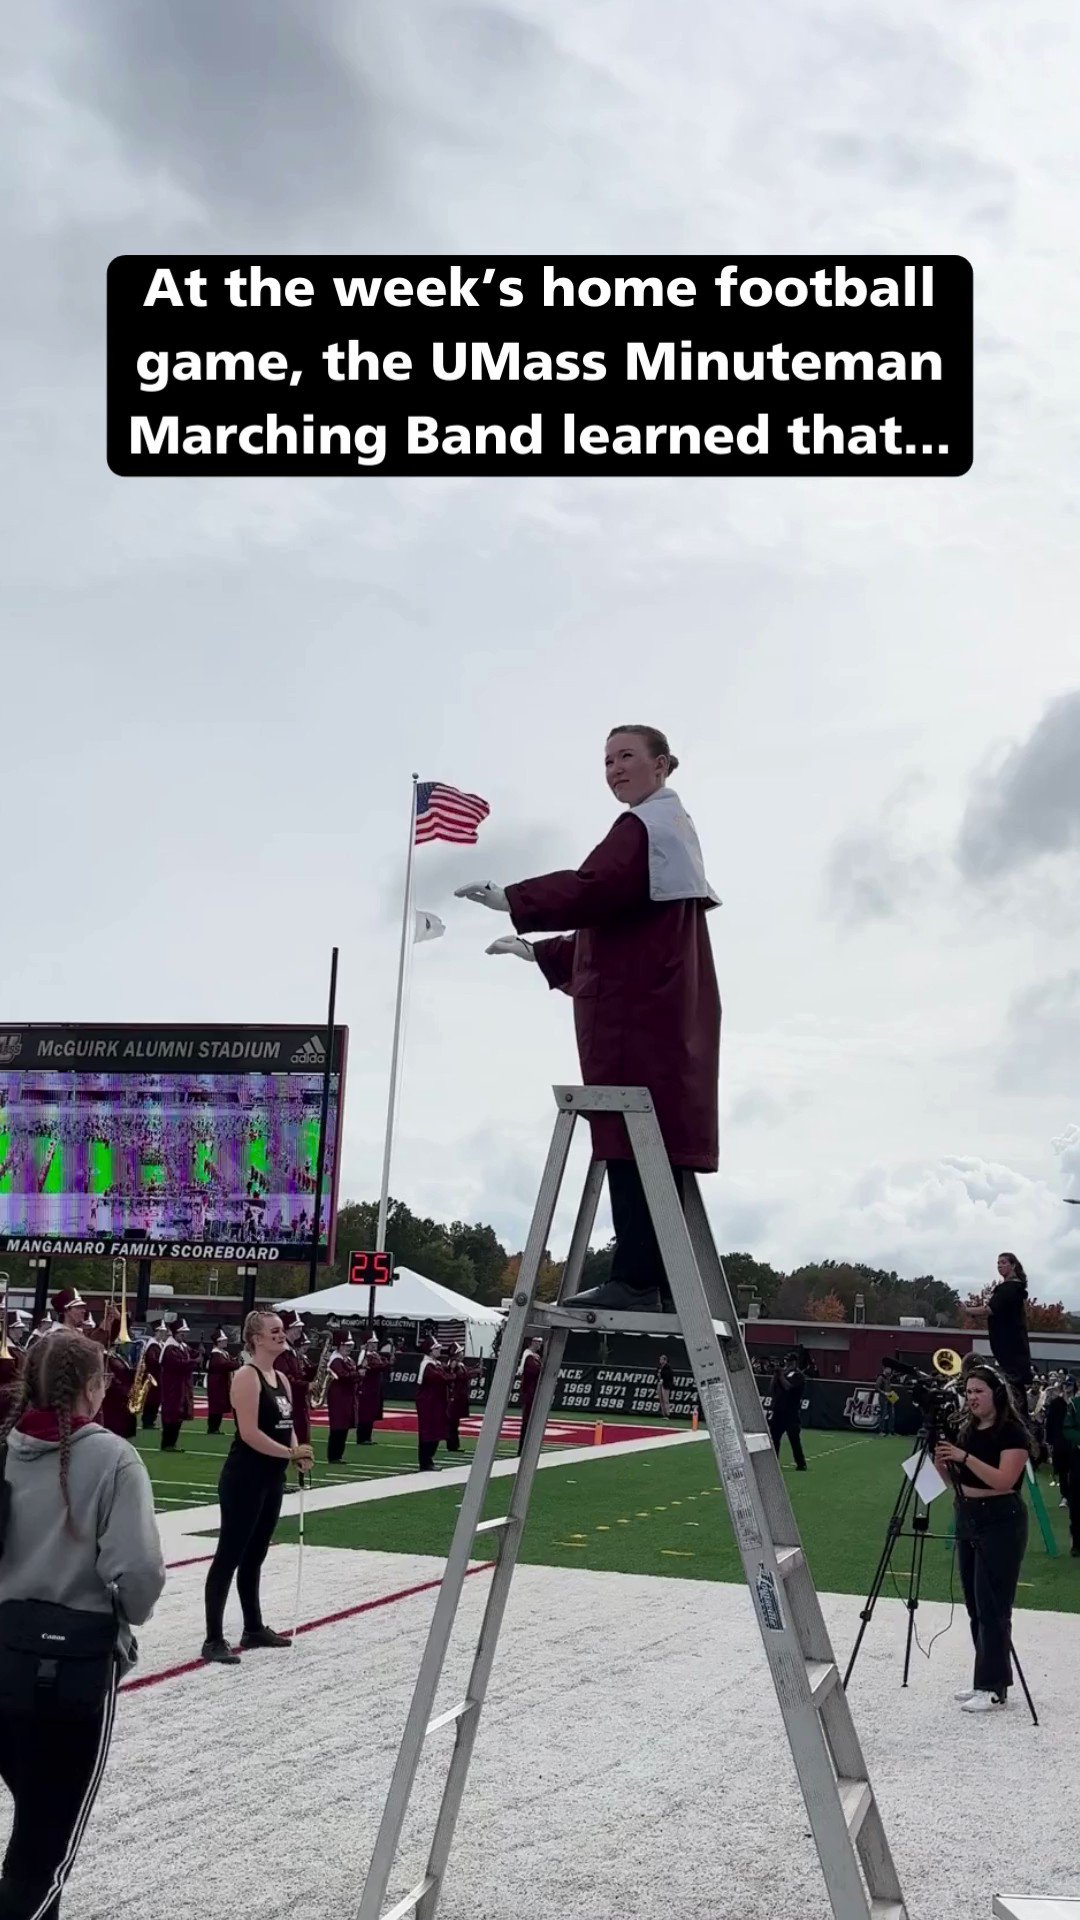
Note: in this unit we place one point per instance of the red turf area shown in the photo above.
(559, 1433)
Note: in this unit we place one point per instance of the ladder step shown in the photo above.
(788, 1560)
(887, 1910)
(492, 1526)
(666, 1325)
(856, 1799)
(822, 1675)
(412, 1900)
(759, 1443)
(445, 1719)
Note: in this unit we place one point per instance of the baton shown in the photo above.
(302, 1477)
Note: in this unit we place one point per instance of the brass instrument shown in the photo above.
(947, 1362)
(322, 1376)
(5, 1350)
(123, 1337)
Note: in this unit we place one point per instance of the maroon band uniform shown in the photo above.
(220, 1368)
(369, 1393)
(431, 1415)
(340, 1399)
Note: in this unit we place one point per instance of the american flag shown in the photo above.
(442, 813)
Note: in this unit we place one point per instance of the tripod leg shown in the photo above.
(918, 1547)
(892, 1534)
(1024, 1685)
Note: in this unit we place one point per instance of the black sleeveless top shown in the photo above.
(275, 1420)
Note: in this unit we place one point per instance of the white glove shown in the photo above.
(511, 943)
(485, 896)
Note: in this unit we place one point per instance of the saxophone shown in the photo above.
(140, 1386)
(319, 1384)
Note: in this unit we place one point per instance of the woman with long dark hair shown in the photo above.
(80, 1564)
(251, 1488)
(988, 1461)
(1006, 1326)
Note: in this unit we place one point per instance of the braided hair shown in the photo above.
(58, 1370)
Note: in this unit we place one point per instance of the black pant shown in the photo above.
(526, 1416)
(781, 1423)
(1070, 1487)
(363, 1432)
(427, 1450)
(250, 1501)
(636, 1261)
(453, 1437)
(991, 1537)
(335, 1445)
(149, 1420)
(170, 1434)
(52, 1769)
(213, 1422)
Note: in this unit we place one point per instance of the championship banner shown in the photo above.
(168, 1142)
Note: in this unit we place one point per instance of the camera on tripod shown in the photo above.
(936, 1394)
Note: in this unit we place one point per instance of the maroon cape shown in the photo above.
(219, 1372)
(341, 1393)
(114, 1415)
(530, 1374)
(369, 1386)
(431, 1420)
(641, 976)
(299, 1373)
(177, 1399)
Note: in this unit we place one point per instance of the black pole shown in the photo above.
(313, 1265)
(41, 1290)
(142, 1293)
(371, 1311)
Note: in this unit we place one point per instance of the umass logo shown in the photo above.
(10, 1048)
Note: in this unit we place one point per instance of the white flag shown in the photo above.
(428, 927)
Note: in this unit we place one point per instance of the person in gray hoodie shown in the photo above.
(80, 1533)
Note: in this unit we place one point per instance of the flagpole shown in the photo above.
(384, 1197)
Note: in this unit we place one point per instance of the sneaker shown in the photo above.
(982, 1703)
(220, 1651)
(264, 1637)
(1063, 1503)
(966, 1693)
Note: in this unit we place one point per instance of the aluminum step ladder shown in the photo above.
(843, 1813)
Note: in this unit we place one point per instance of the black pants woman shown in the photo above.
(251, 1489)
(987, 1463)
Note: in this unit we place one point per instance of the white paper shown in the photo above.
(928, 1481)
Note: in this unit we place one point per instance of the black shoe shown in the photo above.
(616, 1297)
(220, 1651)
(801, 1469)
(264, 1637)
(1075, 1553)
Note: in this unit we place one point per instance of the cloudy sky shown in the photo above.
(217, 690)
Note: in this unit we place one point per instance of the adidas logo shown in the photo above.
(311, 1054)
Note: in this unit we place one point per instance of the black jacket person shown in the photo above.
(1006, 1322)
(785, 1407)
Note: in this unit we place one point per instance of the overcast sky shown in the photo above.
(216, 691)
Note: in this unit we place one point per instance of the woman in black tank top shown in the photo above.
(251, 1487)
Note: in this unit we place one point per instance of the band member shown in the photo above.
(431, 1420)
(251, 1487)
(219, 1372)
(70, 1309)
(389, 1354)
(152, 1356)
(634, 955)
(340, 1395)
(299, 1371)
(785, 1408)
(116, 1416)
(369, 1391)
(11, 1367)
(177, 1368)
(39, 1332)
(458, 1395)
(531, 1361)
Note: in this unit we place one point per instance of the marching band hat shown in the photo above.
(67, 1297)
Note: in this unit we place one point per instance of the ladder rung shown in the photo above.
(788, 1560)
(565, 1314)
(452, 1713)
(822, 1675)
(492, 1526)
(759, 1443)
(855, 1798)
(412, 1900)
(887, 1910)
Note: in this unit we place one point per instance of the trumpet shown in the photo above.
(322, 1376)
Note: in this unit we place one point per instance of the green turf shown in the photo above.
(663, 1513)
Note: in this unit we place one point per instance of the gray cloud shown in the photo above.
(756, 1107)
(1042, 1038)
(869, 876)
(1030, 804)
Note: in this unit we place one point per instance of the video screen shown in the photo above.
(203, 1165)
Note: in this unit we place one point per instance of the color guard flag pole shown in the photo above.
(299, 1561)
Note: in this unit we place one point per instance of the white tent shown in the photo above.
(408, 1297)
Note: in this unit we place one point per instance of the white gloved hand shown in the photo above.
(488, 895)
(512, 943)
